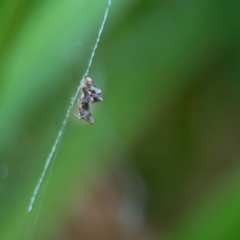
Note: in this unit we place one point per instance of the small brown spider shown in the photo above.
(90, 94)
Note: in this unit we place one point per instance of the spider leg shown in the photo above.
(77, 115)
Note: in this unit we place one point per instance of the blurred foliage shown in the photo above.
(169, 71)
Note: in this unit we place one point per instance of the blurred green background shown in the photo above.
(162, 158)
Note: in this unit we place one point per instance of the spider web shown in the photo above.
(58, 138)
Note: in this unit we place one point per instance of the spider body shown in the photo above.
(90, 94)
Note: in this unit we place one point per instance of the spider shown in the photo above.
(90, 94)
